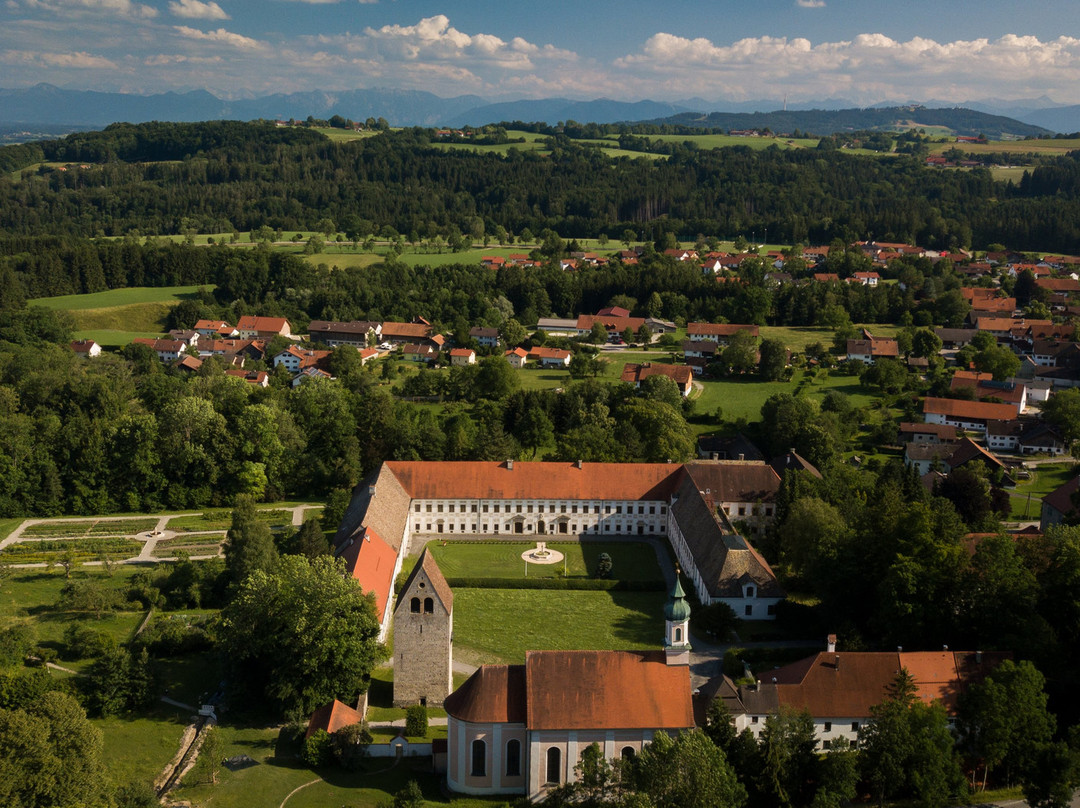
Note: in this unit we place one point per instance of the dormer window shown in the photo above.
(749, 591)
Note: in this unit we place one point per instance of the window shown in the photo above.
(414, 606)
(485, 507)
(519, 509)
(513, 758)
(771, 610)
(828, 726)
(596, 509)
(573, 509)
(554, 765)
(474, 527)
(749, 591)
(473, 509)
(416, 528)
(429, 606)
(451, 507)
(530, 509)
(652, 510)
(640, 509)
(627, 753)
(618, 509)
(663, 509)
(678, 635)
(439, 507)
(854, 726)
(826, 744)
(429, 527)
(742, 510)
(416, 507)
(562, 508)
(479, 758)
(753, 719)
(428, 507)
(748, 611)
(485, 527)
(768, 510)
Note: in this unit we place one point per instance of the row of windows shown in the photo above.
(553, 773)
(826, 728)
(519, 527)
(471, 508)
(753, 510)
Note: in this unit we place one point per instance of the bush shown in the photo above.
(350, 745)
(603, 566)
(717, 620)
(16, 642)
(416, 721)
(409, 796)
(177, 635)
(733, 665)
(83, 642)
(318, 749)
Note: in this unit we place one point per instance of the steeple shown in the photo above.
(677, 620)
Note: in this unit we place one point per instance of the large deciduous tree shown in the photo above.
(301, 635)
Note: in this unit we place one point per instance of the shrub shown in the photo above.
(83, 642)
(350, 745)
(717, 620)
(603, 566)
(409, 796)
(416, 721)
(16, 643)
(318, 749)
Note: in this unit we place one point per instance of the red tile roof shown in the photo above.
(481, 479)
(635, 374)
(371, 561)
(977, 410)
(332, 717)
(606, 690)
(277, 325)
(405, 330)
(494, 694)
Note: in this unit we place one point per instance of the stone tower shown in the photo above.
(424, 637)
(677, 622)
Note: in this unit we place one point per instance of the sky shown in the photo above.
(863, 51)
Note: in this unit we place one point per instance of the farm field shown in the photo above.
(1050, 146)
(719, 141)
(121, 297)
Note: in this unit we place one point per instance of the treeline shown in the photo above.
(250, 175)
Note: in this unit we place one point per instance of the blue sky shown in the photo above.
(862, 50)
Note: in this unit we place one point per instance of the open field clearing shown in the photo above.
(1036, 146)
(1027, 497)
(719, 141)
(345, 135)
(121, 297)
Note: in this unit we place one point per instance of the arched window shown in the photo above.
(414, 606)
(749, 591)
(513, 758)
(479, 759)
(628, 753)
(429, 606)
(678, 635)
(554, 765)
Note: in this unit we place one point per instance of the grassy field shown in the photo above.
(1044, 479)
(719, 141)
(500, 625)
(137, 749)
(1018, 147)
(345, 135)
(93, 527)
(1009, 174)
(121, 297)
(91, 549)
(631, 561)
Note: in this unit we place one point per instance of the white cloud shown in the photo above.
(79, 60)
(868, 68)
(197, 10)
(810, 3)
(122, 8)
(220, 35)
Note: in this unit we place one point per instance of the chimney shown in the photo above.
(509, 464)
(978, 657)
(714, 456)
(578, 464)
(899, 649)
(944, 648)
(830, 644)
(836, 662)
(371, 490)
(742, 456)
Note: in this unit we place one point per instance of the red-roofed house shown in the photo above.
(86, 347)
(973, 415)
(262, 327)
(462, 356)
(332, 717)
(682, 375)
(718, 332)
(517, 357)
(167, 350)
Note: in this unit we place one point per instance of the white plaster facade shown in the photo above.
(540, 517)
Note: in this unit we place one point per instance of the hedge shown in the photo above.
(556, 583)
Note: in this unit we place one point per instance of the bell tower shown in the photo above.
(677, 622)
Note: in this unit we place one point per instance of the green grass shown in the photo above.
(192, 545)
(500, 625)
(7, 526)
(222, 520)
(344, 260)
(137, 749)
(122, 297)
(631, 561)
(38, 550)
(111, 338)
(381, 697)
(345, 135)
(93, 527)
(1044, 479)
(719, 141)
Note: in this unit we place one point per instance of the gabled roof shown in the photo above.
(682, 375)
(371, 561)
(494, 694)
(969, 450)
(977, 410)
(491, 480)
(793, 461)
(943, 431)
(600, 690)
(1060, 499)
(406, 330)
(426, 566)
(275, 324)
(354, 327)
(332, 717)
(735, 481)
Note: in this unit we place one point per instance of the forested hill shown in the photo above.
(220, 177)
(830, 121)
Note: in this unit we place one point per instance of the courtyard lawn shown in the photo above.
(500, 625)
(631, 561)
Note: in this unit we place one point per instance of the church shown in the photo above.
(521, 729)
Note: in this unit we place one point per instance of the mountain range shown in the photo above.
(44, 107)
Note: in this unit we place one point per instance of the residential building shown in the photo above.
(517, 357)
(973, 415)
(405, 333)
(263, 327)
(926, 433)
(635, 374)
(718, 332)
(215, 329)
(460, 357)
(1059, 504)
(550, 357)
(167, 350)
(294, 359)
(485, 337)
(356, 333)
(872, 349)
(86, 347)
(424, 352)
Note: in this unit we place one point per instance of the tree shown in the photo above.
(310, 540)
(603, 566)
(50, 755)
(998, 360)
(1063, 411)
(739, 355)
(810, 539)
(534, 429)
(773, 360)
(687, 772)
(886, 740)
(598, 333)
(350, 745)
(1004, 719)
(925, 343)
(513, 333)
(249, 544)
(495, 379)
(1054, 777)
(301, 635)
(787, 749)
(409, 796)
(644, 335)
(583, 364)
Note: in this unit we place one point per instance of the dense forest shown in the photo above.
(226, 176)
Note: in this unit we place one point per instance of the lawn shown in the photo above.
(1044, 479)
(8, 525)
(222, 520)
(381, 697)
(121, 297)
(719, 141)
(137, 749)
(631, 561)
(1018, 147)
(90, 527)
(500, 625)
